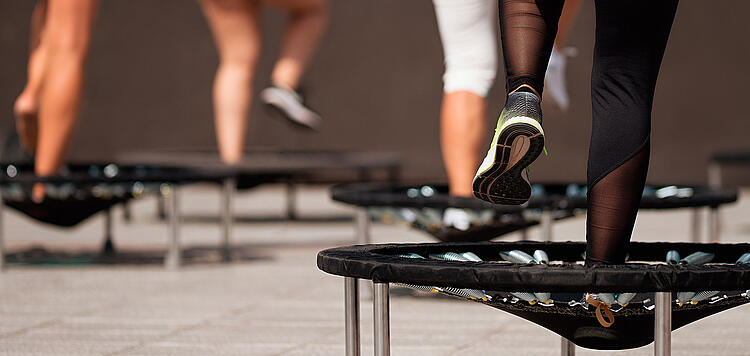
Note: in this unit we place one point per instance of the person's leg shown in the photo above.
(26, 106)
(66, 40)
(235, 27)
(467, 31)
(462, 130)
(528, 30)
(307, 22)
(631, 37)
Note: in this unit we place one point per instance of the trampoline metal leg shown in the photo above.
(663, 324)
(127, 212)
(695, 225)
(291, 201)
(227, 217)
(567, 348)
(109, 247)
(173, 259)
(714, 175)
(714, 224)
(351, 315)
(547, 220)
(362, 222)
(381, 318)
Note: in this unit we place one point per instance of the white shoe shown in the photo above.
(554, 81)
(289, 103)
(458, 218)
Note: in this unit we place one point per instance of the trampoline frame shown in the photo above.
(381, 321)
(173, 254)
(546, 221)
(169, 194)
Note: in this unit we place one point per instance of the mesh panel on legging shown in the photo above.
(527, 29)
(631, 37)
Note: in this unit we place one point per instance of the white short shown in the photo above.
(468, 30)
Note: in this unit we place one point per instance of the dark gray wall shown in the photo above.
(377, 80)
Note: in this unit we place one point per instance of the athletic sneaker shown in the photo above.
(290, 105)
(554, 81)
(518, 141)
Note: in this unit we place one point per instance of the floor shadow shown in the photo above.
(195, 218)
(39, 256)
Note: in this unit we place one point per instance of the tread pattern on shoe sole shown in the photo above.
(501, 184)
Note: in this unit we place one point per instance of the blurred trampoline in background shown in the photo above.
(84, 190)
(291, 168)
(422, 207)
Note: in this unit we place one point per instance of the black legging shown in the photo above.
(630, 40)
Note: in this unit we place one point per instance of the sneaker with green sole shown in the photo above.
(518, 141)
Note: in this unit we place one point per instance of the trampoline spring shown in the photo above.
(673, 257)
(516, 256)
(525, 296)
(606, 298)
(541, 257)
(448, 256)
(411, 255)
(746, 294)
(684, 297)
(702, 296)
(473, 294)
(543, 298)
(471, 256)
(745, 258)
(697, 258)
(624, 298)
(426, 289)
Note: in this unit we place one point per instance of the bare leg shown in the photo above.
(307, 22)
(234, 24)
(66, 40)
(26, 106)
(462, 132)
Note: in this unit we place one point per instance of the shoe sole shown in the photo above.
(518, 145)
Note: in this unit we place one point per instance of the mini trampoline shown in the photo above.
(635, 303)
(548, 203)
(84, 190)
(290, 167)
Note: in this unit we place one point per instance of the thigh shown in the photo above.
(235, 27)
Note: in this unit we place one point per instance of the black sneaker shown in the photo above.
(518, 141)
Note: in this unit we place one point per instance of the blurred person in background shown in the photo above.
(468, 32)
(235, 25)
(47, 109)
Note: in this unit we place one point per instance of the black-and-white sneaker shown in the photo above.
(291, 106)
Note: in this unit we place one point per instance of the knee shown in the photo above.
(475, 73)
(303, 8)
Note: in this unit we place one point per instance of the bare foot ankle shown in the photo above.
(25, 110)
(37, 193)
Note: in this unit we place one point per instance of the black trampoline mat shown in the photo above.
(557, 196)
(271, 161)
